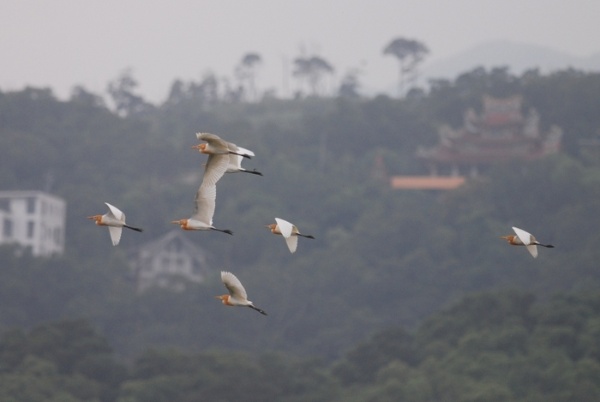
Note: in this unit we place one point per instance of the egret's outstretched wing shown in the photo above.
(207, 192)
(532, 248)
(292, 243)
(240, 150)
(233, 285)
(285, 227)
(115, 212)
(215, 168)
(211, 138)
(115, 234)
(524, 236)
(205, 204)
(528, 240)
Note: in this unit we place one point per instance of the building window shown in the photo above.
(30, 229)
(30, 205)
(8, 228)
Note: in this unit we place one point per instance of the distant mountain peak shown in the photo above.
(518, 56)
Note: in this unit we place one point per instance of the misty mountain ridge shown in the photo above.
(520, 57)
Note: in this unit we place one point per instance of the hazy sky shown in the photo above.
(63, 43)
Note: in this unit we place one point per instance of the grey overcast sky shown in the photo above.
(63, 43)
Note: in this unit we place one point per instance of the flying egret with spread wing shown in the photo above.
(237, 294)
(115, 220)
(289, 232)
(216, 145)
(235, 160)
(526, 239)
(215, 168)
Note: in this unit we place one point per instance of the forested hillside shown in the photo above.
(501, 346)
(381, 259)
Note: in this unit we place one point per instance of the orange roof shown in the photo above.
(426, 182)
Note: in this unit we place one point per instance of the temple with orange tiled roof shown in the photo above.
(501, 133)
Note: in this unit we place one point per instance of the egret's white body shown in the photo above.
(115, 220)
(289, 232)
(237, 294)
(524, 238)
(204, 203)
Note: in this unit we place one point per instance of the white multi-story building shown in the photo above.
(33, 219)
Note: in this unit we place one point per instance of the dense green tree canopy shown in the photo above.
(485, 347)
(381, 260)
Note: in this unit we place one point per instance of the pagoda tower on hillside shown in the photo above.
(499, 134)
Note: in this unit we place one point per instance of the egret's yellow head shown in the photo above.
(273, 227)
(97, 218)
(180, 222)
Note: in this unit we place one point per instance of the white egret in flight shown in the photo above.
(235, 160)
(526, 239)
(289, 232)
(115, 220)
(215, 168)
(216, 145)
(237, 294)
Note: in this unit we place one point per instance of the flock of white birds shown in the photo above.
(226, 157)
(223, 157)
